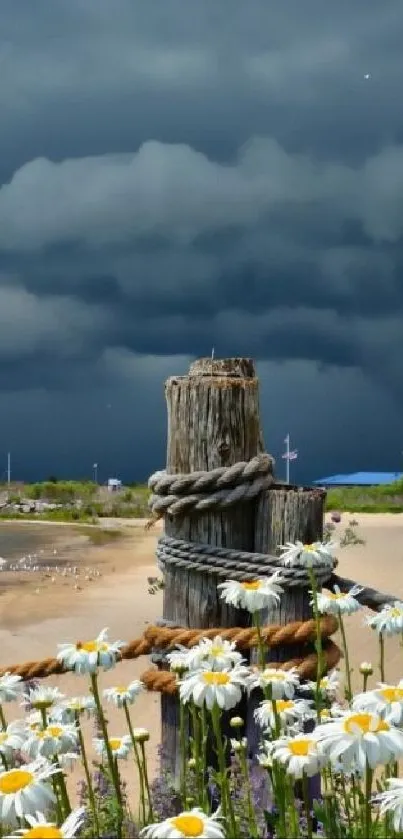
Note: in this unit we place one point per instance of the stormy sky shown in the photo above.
(177, 176)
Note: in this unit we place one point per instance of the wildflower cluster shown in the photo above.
(349, 743)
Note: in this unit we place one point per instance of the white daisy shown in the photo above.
(140, 735)
(53, 740)
(119, 746)
(10, 687)
(328, 714)
(12, 739)
(191, 823)
(41, 828)
(358, 737)
(66, 712)
(299, 755)
(288, 711)
(281, 682)
(328, 685)
(87, 656)
(335, 603)
(391, 802)
(389, 621)
(26, 790)
(386, 700)
(209, 687)
(308, 555)
(253, 595)
(43, 698)
(124, 694)
(215, 654)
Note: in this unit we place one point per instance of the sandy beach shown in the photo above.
(36, 615)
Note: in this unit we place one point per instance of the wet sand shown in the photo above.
(32, 623)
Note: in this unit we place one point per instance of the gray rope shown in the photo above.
(370, 597)
(218, 489)
(238, 565)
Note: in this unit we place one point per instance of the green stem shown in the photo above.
(4, 761)
(368, 789)
(111, 763)
(183, 739)
(348, 690)
(260, 642)
(138, 764)
(305, 793)
(146, 781)
(226, 803)
(253, 828)
(90, 788)
(2, 718)
(365, 682)
(63, 789)
(346, 802)
(382, 656)
(318, 643)
(197, 752)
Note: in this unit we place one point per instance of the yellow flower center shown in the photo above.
(115, 743)
(15, 780)
(273, 676)
(215, 679)
(3, 736)
(216, 649)
(54, 730)
(121, 689)
(325, 714)
(300, 748)
(337, 595)
(363, 721)
(309, 548)
(44, 831)
(188, 825)
(395, 612)
(284, 704)
(92, 646)
(254, 585)
(391, 694)
(42, 703)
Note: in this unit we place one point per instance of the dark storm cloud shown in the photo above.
(179, 176)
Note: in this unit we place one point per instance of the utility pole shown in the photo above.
(95, 467)
(287, 456)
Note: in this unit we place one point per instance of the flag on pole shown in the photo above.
(290, 455)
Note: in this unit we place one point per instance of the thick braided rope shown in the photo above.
(167, 638)
(239, 565)
(218, 489)
(166, 682)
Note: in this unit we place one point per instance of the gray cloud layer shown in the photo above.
(171, 182)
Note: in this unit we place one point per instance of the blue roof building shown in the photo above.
(359, 479)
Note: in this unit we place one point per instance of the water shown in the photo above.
(19, 540)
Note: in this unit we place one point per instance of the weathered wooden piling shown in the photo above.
(213, 421)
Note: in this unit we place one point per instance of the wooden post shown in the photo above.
(213, 420)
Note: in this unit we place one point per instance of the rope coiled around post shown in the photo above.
(168, 638)
(218, 489)
(238, 565)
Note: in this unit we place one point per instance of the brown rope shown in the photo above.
(166, 682)
(298, 632)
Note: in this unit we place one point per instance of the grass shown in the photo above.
(373, 499)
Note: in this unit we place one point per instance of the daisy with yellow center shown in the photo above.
(252, 595)
(288, 711)
(41, 828)
(26, 790)
(119, 746)
(389, 621)
(282, 683)
(212, 687)
(308, 555)
(122, 695)
(299, 755)
(88, 656)
(191, 824)
(53, 740)
(67, 710)
(359, 737)
(214, 654)
(43, 698)
(386, 700)
(339, 603)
